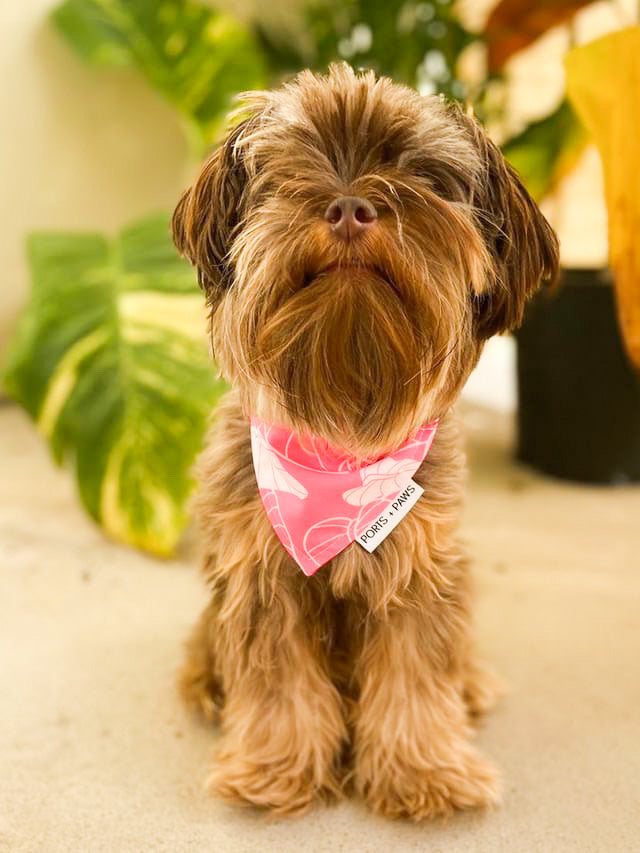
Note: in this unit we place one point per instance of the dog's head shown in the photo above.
(357, 244)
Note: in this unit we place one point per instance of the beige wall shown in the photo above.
(80, 148)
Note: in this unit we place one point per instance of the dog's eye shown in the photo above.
(389, 151)
(445, 184)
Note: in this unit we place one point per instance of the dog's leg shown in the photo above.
(199, 682)
(283, 726)
(412, 756)
(482, 689)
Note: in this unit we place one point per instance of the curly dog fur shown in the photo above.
(363, 673)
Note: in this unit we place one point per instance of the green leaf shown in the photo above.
(196, 56)
(110, 359)
(413, 42)
(547, 150)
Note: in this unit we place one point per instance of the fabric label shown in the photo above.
(393, 515)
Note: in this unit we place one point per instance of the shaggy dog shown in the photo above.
(357, 244)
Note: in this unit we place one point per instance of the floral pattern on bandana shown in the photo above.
(319, 499)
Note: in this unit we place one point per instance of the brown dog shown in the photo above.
(357, 244)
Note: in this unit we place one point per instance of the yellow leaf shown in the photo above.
(603, 84)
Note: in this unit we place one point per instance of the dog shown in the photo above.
(357, 243)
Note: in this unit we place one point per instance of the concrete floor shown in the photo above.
(96, 754)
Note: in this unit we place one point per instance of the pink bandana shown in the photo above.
(319, 499)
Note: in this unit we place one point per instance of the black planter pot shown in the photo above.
(578, 396)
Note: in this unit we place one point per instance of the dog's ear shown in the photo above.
(522, 245)
(207, 213)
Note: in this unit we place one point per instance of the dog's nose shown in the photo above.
(350, 216)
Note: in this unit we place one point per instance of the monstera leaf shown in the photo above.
(110, 359)
(547, 150)
(603, 82)
(196, 56)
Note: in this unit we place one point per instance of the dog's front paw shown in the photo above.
(429, 791)
(283, 785)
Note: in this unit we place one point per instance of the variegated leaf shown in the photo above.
(111, 361)
(196, 56)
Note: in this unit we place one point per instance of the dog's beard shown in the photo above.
(344, 354)
(348, 356)
(359, 344)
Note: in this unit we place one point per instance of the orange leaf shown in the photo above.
(603, 83)
(515, 24)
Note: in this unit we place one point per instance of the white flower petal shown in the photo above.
(270, 472)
